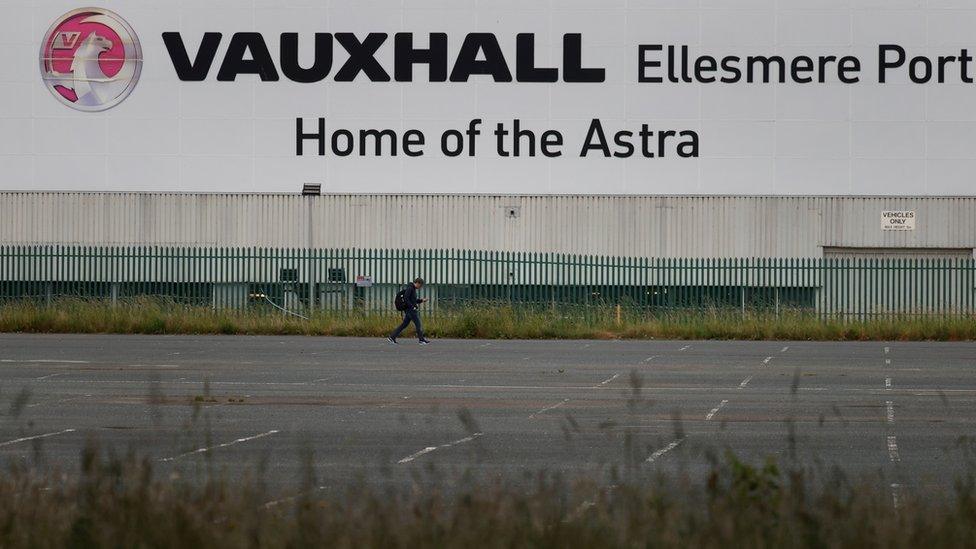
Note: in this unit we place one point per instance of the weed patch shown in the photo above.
(485, 321)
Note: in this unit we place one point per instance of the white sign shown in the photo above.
(364, 281)
(898, 220)
(580, 97)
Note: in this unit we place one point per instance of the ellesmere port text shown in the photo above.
(675, 64)
(510, 140)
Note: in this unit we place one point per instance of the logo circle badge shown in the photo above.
(91, 59)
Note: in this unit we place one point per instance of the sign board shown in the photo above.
(364, 281)
(892, 220)
(596, 97)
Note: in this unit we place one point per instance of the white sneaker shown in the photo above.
(392, 341)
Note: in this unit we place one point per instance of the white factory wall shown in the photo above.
(638, 226)
(831, 139)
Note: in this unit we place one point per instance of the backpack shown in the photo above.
(400, 301)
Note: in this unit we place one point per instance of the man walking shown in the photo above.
(407, 302)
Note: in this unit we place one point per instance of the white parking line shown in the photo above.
(49, 376)
(896, 496)
(388, 404)
(887, 350)
(224, 445)
(685, 348)
(650, 358)
(745, 382)
(547, 408)
(401, 386)
(887, 384)
(784, 349)
(62, 401)
(35, 437)
(891, 411)
(767, 359)
(887, 361)
(710, 415)
(582, 508)
(44, 361)
(176, 382)
(289, 499)
(656, 455)
(430, 449)
(893, 449)
(608, 380)
(656, 389)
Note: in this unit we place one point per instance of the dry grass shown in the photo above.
(113, 500)
(486, 321)
(117, 502)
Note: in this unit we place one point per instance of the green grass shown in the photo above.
(489, 321)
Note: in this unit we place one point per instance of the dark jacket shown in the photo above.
(411, 296)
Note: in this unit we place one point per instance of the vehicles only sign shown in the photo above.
(898, 220)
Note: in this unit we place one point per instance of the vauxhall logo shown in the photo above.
(479, 54)
(91, 58)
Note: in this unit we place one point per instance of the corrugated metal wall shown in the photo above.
(336, 279)
(638, 226)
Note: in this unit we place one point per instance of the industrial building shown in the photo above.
(622, 226)
(491, 147)
(835, 255)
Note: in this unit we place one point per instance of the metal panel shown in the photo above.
(849, 287)
(901, 253)
(634, 226)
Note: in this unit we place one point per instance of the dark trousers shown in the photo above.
(409, 316)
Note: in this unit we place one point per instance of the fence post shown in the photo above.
(742, 300)
(777, 302)
(310, 272)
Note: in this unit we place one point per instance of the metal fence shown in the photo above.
(304, 280)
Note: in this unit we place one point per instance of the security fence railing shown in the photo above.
(303, 280)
